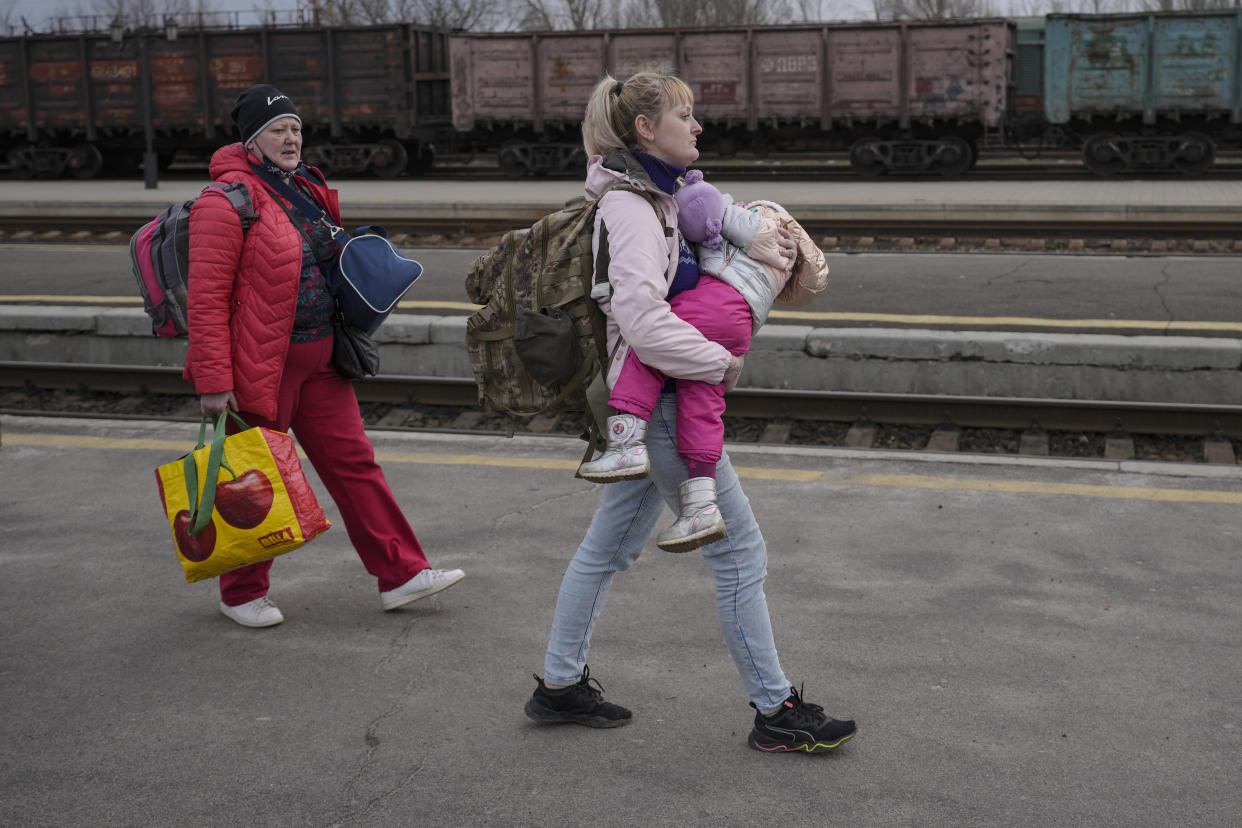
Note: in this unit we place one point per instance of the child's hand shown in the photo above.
(789, 247)
(733, 372)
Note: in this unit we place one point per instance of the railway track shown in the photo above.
(1032, 165)
(1164, 237)
(1072, 428)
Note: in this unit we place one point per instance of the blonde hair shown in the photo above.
(615, 105)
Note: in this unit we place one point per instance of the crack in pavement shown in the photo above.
(537, 505)
(1168, 277)
(354, 803)
(1006, 274)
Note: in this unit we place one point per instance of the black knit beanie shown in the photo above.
(257, 107)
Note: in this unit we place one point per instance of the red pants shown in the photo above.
(320, 407)
(721, 315)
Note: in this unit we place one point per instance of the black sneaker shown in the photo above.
(580, 703)
(797, 726)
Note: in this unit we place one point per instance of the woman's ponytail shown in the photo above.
(599, 128)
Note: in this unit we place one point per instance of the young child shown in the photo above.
(739, 282)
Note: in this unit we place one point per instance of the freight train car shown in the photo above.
(900, 97)
(371, 98)
(1145, 92)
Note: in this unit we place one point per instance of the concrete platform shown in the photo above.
(1139, 202)
(1104, 367)
(1023, 643)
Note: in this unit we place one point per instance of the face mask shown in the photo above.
(277, 171)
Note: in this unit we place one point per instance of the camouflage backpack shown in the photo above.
(540, 338)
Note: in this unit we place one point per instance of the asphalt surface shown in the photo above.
(1023, 643)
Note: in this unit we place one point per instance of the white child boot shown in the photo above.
(625, 457)
(699, 523)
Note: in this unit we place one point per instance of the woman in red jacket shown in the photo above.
(260, 320)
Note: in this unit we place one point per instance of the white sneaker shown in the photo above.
(699, 522)
(625, 455)
(260, 612)
(428, 582)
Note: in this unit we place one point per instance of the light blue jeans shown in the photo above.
(627, 513)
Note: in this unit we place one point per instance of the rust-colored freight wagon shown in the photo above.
(1146, 91)
(900, 96)
(371, 98)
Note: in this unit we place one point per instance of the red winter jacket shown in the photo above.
(243, 291)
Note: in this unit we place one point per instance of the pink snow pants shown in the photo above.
(721, 315)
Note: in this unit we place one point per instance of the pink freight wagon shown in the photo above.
(901, 97)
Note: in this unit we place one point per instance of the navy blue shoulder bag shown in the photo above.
(370, 275)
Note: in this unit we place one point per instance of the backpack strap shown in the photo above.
(239, 196)
(597, 409)
(303, 204)
(650, 199)
(600, 288)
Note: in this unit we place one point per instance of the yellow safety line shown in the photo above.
(37, 298)
(807, 316)
(914, 481)
(461, 306)
(1024, 321)
(175, 448)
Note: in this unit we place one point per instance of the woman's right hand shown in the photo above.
(213, 405)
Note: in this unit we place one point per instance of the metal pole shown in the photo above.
(150, 164)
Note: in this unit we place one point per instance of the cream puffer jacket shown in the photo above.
(750, 260)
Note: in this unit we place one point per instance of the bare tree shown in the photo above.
(931, 9)
(134, 10)
(374, 11)
(454, 14)
(811, 11)
(536, 15)
(567, 14)
(679, 13)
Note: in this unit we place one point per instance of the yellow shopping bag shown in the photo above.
(254, 502)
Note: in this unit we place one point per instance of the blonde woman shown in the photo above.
(642, 132)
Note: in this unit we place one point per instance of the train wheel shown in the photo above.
(1101, 156)
(126, 163)
(85, 161)
(1195, 154)
(422, 160)
(577, 162)
(511, 158)
(318, 156)
(954, 156)
(21, 163)
(390, 159)
(866, 159)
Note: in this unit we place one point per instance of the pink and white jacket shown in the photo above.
(640, 257)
